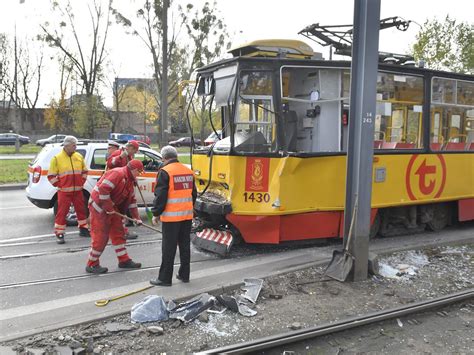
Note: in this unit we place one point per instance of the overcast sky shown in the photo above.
(246, 20)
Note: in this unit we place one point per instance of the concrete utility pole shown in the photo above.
(164, 76)
(361, 131)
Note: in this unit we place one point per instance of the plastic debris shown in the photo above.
(399, 322)
(151, 309)
(189, 310)
(252, 289)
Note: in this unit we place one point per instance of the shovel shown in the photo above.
(149, 214)
(133, 220)
(342, 261)
(102, 303)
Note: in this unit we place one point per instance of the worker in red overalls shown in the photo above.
(113, 192)
(118, 158)
(68, 172)
(121, 157)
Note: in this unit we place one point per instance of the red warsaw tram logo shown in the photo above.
(425, 176)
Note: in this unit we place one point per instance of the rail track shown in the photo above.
(350, 323)
(84, 276)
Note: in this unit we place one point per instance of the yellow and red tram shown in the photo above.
(279, 172)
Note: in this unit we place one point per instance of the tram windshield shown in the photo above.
(254, 118)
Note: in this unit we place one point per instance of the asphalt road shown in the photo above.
(29, 252)
(40, 278)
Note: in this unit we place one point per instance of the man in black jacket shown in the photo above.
(175, 194)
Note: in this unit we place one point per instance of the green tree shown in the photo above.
(446, 45)
(83, 109)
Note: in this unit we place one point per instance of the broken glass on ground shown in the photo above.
(189, 310)
(152, 308)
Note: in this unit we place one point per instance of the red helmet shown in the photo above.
(135, 165)
(134, 144)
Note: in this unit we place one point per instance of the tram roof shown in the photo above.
(278, 61)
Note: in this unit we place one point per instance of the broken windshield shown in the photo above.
(254, 115)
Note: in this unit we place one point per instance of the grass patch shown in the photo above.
(24, 149)
(185, 159)
(179, 149)
(12, 171)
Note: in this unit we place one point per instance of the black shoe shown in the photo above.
(181, 279)
(158, 282)
(131, 235)
(129, 264)
(97, 269)
(60, 239)
(129, 223)
(84, 232)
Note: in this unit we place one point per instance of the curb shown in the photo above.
(6, 187)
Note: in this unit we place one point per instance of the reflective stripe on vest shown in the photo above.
(179, 206)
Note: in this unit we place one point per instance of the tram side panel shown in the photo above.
(279, 199)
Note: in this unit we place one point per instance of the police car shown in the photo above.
(44, 195)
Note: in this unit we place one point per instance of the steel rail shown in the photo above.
(353, 322)
(68, 250)
(85, 276)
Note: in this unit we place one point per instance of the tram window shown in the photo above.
(452, 115)
(254, 125)
(399, 111)
(254, 118)
(314, 99)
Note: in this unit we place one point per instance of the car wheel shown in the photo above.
(71, 218)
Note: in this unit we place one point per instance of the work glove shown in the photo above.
(138, 222)
(155, 220)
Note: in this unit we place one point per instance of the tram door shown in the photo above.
(405, 126)
(437, 127)
(396, 128)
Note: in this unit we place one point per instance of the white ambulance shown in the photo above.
(44, 195)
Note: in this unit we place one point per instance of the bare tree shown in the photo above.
(149, 29)
(88, 65)
(30, 81)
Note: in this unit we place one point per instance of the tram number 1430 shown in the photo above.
(257, 197)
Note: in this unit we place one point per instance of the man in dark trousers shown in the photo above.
(175, 194)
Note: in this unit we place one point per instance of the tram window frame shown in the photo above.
(310, 123)
(259, 136)
(389, 101)
(451, 120)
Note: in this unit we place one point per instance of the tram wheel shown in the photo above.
(375, 227)
(441, 214)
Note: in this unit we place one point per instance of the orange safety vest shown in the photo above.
(179, 206)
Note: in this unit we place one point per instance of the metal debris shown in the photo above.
(189, 310)
(252, 289)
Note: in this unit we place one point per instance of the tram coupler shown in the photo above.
(214, 240)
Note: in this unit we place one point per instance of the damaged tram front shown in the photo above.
(278, 174)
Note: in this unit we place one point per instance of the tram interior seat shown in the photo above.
(389, 145)
(404, 145)
(436, 146)
(377, 144)
(291, 131)
(451, 146)
(470, 146)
